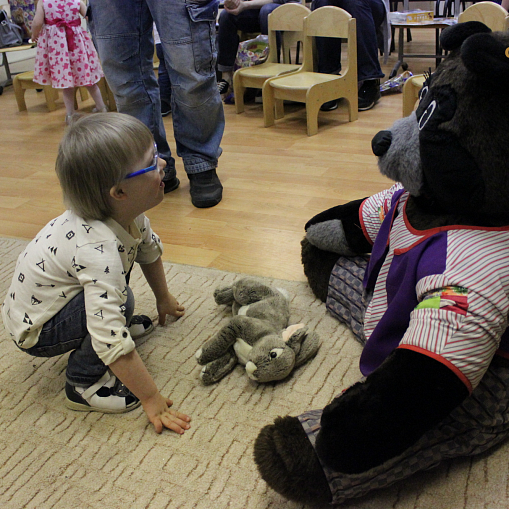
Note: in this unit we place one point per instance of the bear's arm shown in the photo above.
(379, 418)
(349, 215)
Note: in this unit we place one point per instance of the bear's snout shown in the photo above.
(381, 142)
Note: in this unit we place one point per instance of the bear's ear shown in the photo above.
(487, 57)
(453, 37)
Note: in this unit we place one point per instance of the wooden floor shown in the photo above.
(274, 179)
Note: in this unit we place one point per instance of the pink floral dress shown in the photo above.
(65, 55)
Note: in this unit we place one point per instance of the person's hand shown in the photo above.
(231, 4)
(162, 416)
(238, 9)
(169, 306)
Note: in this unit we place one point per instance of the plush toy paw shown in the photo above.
(288, 463)
(215, 370)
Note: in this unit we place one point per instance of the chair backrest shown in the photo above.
(491, 14)
(289, 19)
(329, 21)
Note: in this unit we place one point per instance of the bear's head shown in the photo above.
(452, 153)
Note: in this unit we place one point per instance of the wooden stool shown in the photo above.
(25, 81)
(411, 90)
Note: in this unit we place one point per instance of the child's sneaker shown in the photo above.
(141, 325)
(109, 395)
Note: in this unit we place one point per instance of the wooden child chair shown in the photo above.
(491, 14)
(313, 88)
(288, 18)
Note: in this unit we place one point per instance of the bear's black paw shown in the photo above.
(288, 463)
(318, 266)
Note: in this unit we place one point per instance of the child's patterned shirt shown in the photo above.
(68, 256)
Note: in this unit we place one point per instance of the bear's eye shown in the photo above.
(275, 353)
(423, 92)
(428, 113)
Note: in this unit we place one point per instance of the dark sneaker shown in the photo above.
(206, 189)
(369, 94)
(165, 108)
(329, 105)
(141, 325)
(222, 86)
(109, 395)
(171, 182)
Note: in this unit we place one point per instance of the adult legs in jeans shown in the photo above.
(67, 331)
(122, 31)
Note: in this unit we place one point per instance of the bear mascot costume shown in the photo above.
(420, 273)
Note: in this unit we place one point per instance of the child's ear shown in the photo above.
(118, 193)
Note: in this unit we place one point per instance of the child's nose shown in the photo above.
(161, 165)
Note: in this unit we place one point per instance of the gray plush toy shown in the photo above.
(258, 335)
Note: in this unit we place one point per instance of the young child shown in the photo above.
(65, 57)
(70, 287)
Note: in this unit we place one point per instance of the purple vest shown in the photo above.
(426, 258)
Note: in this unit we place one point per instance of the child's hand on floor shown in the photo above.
(161, 416)
(169, 306)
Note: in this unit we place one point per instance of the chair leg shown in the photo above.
(353, 109)
(19, 93)
(279, 108)
(268, 104)
(83, 93)
(312, 109)
(410, 96)
(238, 92)
(107, 94)
(102, 87)
(111, 98)
(51, 95)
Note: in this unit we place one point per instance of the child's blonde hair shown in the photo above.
(95, 154)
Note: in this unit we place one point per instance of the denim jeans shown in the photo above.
(67, 331)
(250, 20)
(122, 33)
(369, 15)
(162, 77)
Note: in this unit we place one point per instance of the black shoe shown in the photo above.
(369, 94)
(222, 86)
(165, 108)
(206, 189)
(171, 182)
(329, 105)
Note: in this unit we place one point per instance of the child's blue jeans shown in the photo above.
(67, 331)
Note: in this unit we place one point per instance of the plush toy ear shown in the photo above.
(453, 37)
(289, 331)
(305, 344)
(488, 58)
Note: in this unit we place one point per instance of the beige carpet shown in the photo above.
(51, 457)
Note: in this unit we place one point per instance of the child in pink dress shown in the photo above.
(66, 57)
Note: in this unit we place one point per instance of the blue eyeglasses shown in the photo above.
(152, 167)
